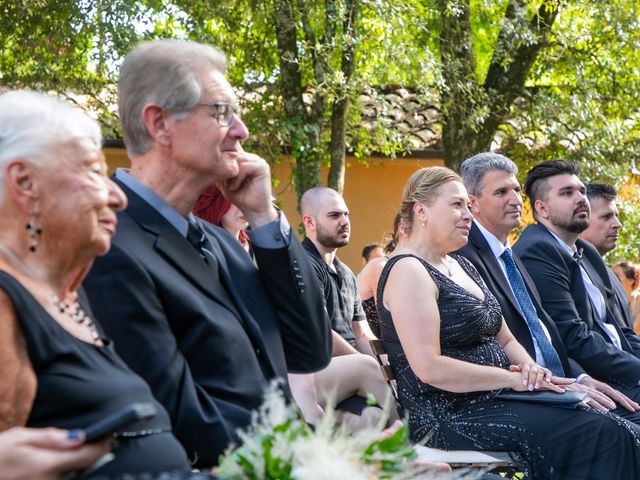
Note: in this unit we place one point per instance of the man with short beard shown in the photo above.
(572, 279)
(325, 217)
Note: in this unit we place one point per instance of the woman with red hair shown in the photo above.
(215, 208)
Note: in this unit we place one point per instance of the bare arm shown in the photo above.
(340, 346)
(367, 280)
(411, 297)
(363, 334)
(18, 386)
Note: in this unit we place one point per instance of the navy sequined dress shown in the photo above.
(549, 442)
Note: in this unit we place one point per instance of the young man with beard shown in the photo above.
(572, 279)
(327, 227)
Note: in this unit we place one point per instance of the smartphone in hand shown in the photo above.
(118, 420)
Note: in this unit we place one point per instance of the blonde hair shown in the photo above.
(423, 187)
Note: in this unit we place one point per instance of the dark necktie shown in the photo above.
(199, 240)
(549, 354)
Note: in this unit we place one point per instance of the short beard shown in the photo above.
(330, 241)
(577, 226)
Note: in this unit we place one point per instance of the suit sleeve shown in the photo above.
(296, 296)
(551, 276)
(576, 368)
(632, 338)
(125, 301)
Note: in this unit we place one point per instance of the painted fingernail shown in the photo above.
(530, 388)
(75, 434)
(524, 382)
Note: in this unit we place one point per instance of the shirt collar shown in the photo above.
(153, 199)
(496, 246)
(311, 248)
(562, 242)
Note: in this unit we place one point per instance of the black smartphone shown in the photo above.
(114, 422)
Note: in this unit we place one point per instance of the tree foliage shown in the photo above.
(535, 79)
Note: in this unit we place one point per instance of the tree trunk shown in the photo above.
(473, 112)
(341, 101)
(460, 96)
(304, 134)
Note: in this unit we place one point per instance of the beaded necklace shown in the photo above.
(72, 310)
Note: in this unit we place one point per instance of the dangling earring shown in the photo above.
(34, 233)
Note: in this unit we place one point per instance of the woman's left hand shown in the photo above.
(533, 375)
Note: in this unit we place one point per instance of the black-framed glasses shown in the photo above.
(223, 112)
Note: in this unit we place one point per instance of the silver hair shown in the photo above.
(163, 72)
(34, 125)
(474, 168)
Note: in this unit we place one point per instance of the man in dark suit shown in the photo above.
(572, 279)
(496, 205)
(602, 233)
(185, 304)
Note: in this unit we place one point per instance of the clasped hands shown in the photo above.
(534, 377)
(600, 395)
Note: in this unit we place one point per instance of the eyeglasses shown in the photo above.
(223, 112)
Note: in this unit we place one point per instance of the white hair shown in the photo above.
(33, 125)
(161, 72)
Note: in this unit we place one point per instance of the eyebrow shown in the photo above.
(571, 188)
(507, 187)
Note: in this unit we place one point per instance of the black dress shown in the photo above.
(370, 310)
(551, 442)
(80, 383)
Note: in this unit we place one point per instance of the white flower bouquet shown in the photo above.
(280, 445)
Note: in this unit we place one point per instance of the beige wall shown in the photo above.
(116, 158)
(372, 193)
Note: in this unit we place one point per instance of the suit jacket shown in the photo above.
(207, 355)
(557, 276)
(622, 300)
(479, 253)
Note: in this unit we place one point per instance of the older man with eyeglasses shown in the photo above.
(186, 306)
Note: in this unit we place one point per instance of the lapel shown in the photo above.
(173, 247)
(596, 269)
(595, 277)
(493, 267)
(234, 290)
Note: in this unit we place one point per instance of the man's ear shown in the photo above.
(308, 222)
(473, 205)
(156, 119)
(21, 184)
(540, 209)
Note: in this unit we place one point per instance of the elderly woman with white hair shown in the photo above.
(57, 213)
